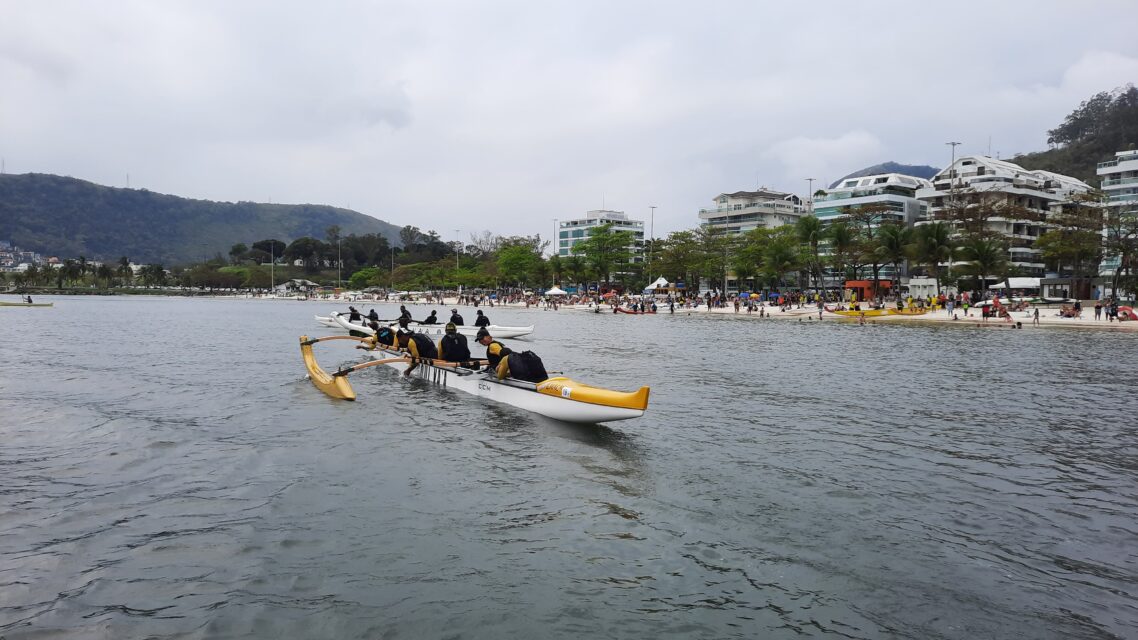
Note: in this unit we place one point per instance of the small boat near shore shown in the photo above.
(559, 398)
(6, 303)
(868, 313)
(908, 312)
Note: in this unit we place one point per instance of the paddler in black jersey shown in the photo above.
(452, 346)
(382, 337)
(418, 345)
(353, 315)
(495, 350)
(506, 363)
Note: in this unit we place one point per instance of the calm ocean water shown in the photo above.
(167, 472)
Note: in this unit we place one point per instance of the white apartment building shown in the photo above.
(740, 212)
(979, 179)
(570, 232)
(1120, 186)
(895, 192)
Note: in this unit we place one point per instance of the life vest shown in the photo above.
(495, 351)
(421, 346)
(525, 365)
(453, 348)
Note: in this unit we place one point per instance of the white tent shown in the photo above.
(661, 283)
(555, 291)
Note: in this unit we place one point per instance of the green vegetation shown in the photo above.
(1092, 133)
(60, 216)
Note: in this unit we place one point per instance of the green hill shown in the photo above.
(1091, 134)
(66, 217)
(915, 170)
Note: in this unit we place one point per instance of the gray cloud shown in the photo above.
(505, 115)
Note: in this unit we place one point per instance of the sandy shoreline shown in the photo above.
(1048, 317)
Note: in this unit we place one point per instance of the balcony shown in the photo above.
(1118, 181)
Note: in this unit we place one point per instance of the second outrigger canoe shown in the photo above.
(435, 330)
(559, 398)
(869, 313)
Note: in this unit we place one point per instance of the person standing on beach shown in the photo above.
(1035, 317)
(1098, 310)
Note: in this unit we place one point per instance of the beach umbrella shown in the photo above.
(755, 296)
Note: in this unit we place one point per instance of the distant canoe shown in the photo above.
(908, 312)
(25, 304)
(869, 313)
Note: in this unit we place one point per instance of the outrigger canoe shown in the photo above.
(869, 313)
(559, 398)
(4, 303)
(908, 312)
(435, 330)
(633, 313)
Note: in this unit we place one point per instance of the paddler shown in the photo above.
(452, 346)
(353, 315)
(373, 316)
(507, 363)
(481, 320)
(382, 336)
(404, 314)
(431, 319)
(418, 345)
(495, 350)
(455, 318)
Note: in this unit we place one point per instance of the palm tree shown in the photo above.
(810, 232)
(842, 242)
(986, 257)
(124, 270)
(934, 246)
(779, 257)
(893, 246)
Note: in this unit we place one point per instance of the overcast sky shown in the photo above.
(503, 116)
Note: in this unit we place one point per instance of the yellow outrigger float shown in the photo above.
(559, 397)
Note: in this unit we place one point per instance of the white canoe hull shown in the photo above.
(437, 330)
(514, 393)
(327, 321)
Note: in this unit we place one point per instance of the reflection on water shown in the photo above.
(789, 479)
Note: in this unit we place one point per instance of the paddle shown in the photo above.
(365, 365)
(315, 340)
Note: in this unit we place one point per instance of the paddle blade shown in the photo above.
(334, 386)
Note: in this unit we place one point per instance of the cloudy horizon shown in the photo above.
(503, 116)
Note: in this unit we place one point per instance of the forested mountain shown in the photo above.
(67, 217)
(915, 170)
(1106, 123)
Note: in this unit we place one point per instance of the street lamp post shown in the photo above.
(272, 265)
(339, 264)
(810, 195)
(651, 237)
(951, 198)
(952, 173)
(392, 268)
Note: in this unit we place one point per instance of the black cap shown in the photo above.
(482, 333)
(451, 328)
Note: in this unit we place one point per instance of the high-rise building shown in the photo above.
(1120, 186)
(570, 232)
(740, 212)
(998, 185)
(894, 195)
